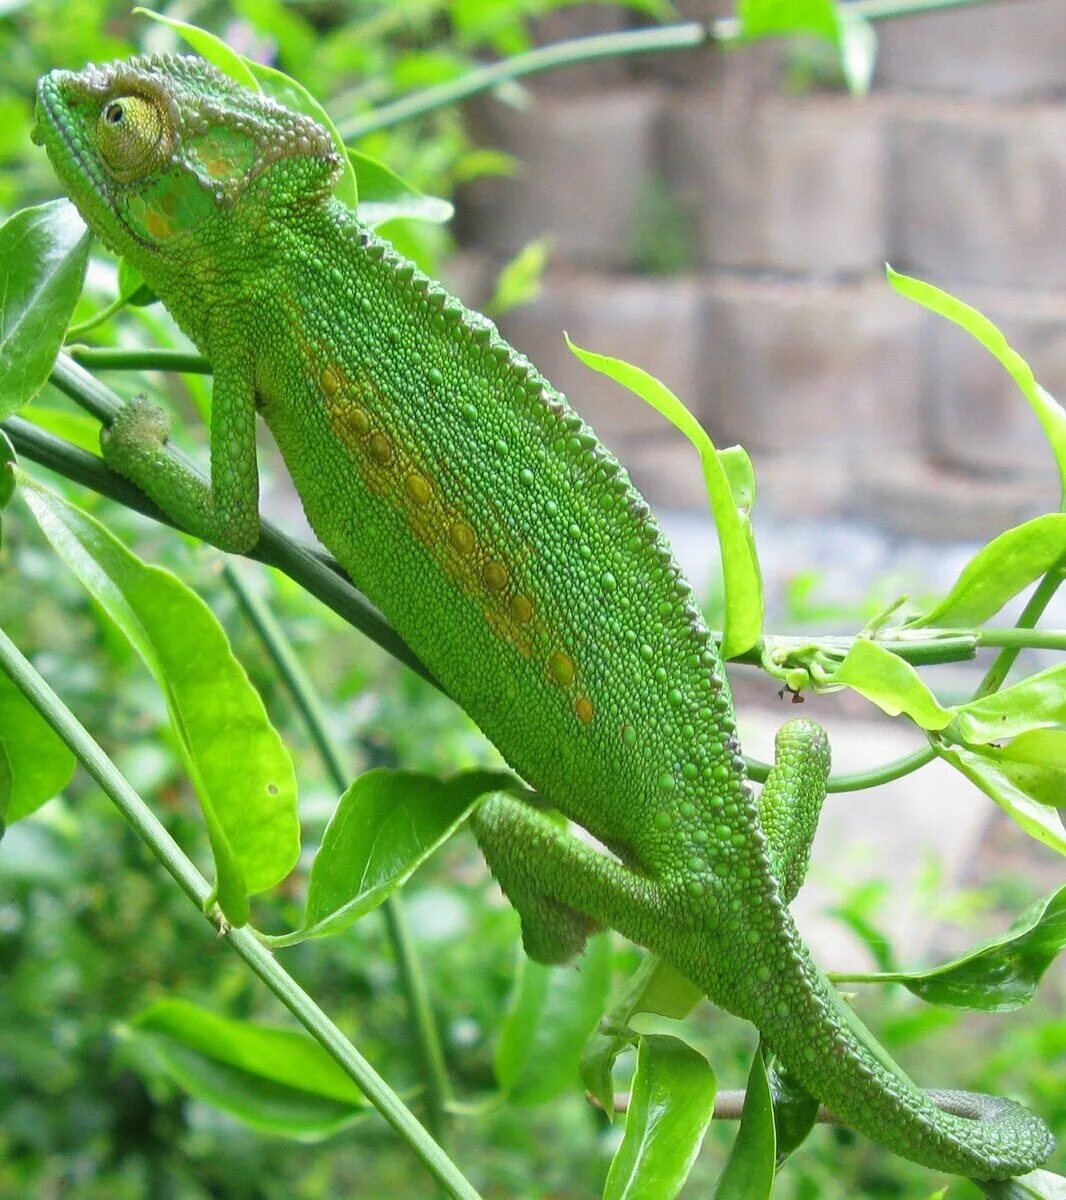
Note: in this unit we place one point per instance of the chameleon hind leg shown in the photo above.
(563, 889)
(791, 800)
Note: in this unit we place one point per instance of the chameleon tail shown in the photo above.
(829, 1050)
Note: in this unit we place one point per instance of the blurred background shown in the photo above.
(722, 219)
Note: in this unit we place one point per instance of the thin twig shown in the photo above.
(412, 977)
(243, 941)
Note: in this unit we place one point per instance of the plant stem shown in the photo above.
(412, 978)
(859, 780)
(1024, 639)
(688, 35)
(243, 941)
(546, 58)
(1033, 611)
(106, 359)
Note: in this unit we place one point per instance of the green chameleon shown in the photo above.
(507, 546)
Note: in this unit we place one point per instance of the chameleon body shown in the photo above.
(505, 544)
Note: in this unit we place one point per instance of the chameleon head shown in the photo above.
(153, 149)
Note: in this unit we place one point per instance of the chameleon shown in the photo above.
(505, 543)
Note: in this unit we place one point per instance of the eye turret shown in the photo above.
(132, 135)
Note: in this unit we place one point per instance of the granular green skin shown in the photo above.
(504, 542)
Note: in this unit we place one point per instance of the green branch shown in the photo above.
(688, 35)
(858, 781)
(1032, 613)
(546, 58)
(242, 941)
(412, 978)
(104, 359)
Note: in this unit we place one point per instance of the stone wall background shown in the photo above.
(730, 237)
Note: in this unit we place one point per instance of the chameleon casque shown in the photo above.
(470, 502)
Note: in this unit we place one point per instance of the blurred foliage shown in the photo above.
(92, 931)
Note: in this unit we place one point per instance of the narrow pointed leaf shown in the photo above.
(242, 772)
(670, 1107)
(999, 571)
(384, 827)
(34, 764)
(551, 1014)
(890, 683)
(740, 567)
(276, 1080)
(1048, 412)
(749, 1173)
(43, 255)
(214, 49)
(1001, 783)
(384, 196)
(655, 987)
(1002, 973)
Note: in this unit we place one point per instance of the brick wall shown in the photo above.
(765, 305)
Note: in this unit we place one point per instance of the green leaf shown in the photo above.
(384, 196)
(1035, 703)
(278, 1081)
(1048, 412)
(890, 683)
(550, 1016)
(384, 827)
(655, 987)
(1000, 781)
(795, 1111)
(749, 1173)
(1000, 974)
(240, 768)
(999, 571)
(43, 256)
(131, 286)
(1037, 1185)
(739, 471)
(519, 282)
(285, 90)
(34, 764)
(777, 18)
(740, 566)
(214, 49)
(670, 1107)
(78, 428)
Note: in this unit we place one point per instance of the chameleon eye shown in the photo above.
(131, 136)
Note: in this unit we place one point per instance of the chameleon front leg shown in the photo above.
(791, 800)
(563, 889)
(226, 513)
